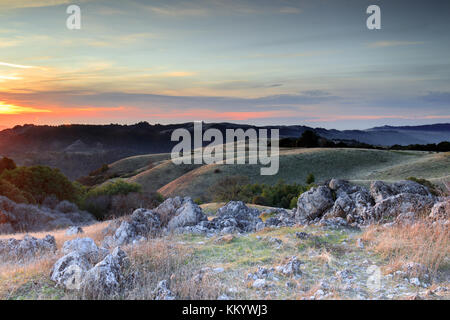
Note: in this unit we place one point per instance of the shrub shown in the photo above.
(41, 181)
(7, 164)
(433, 188)
(118, 187)
(310, 179)
(13, 193)
(279, 195)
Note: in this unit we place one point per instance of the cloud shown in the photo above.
(384, 44)
(290, 10)
(12, 65)
(6, 109)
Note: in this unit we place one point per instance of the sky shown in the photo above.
(262, 62)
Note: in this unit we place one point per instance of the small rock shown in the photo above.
(74, 231)
(259, 283)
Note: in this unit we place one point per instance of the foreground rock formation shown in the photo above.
(16, 217)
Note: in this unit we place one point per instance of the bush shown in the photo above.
(40, 182)
(310, 178)
(13, 193)
(433, 188)
(117, 199)
(118, 187)
(7, 164)
(279, 195)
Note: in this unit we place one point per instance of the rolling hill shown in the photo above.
(358, 165)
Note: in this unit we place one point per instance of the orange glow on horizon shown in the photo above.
(9, 109)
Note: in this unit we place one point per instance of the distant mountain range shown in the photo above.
(146, 138)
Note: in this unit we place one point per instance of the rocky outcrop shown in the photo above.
(314, 203)
(16, 217)
(72, 231)
(339, 203)
(69, 271)
(28, 248)
(85, 247)
(106, 277)
(235, 216)
(441, 210)
(189, 214)
(141, 224)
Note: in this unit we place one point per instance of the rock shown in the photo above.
(407, 218)
(142, 223)
(162, 291)
(30, 218)
(302, 235)
(189, 214)
(392, 206)
(281, 217)
(235, 216)
(381, 191)
(225, 239)
(28, 248)
(416, 270)
(106, 277)
(85, 247)
(313, 203)
(441, 210)
(74, 231)
(223, 297)
(69, 271)
(259, 283)
(353, 203)
(167, 210)
(292, 268)
(360, 243)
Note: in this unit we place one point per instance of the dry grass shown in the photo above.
(422, 242)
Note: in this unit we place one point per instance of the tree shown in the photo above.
(310, 178)
(309, 139)
(7, 164)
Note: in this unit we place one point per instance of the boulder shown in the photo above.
(441, 210)
(235, 216)
(393, 206)
(313, 203)
(28, 248)
(86, 247)
(72, 231)
(167, 210)
(69, 271)
(141, 224)
(189, 214)
(162, 291)
(381, 191)
(292, 267)
(106, 277)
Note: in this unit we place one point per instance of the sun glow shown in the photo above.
(13, 109)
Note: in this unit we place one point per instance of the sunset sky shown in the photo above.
(302, 62)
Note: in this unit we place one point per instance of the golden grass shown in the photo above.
(422, 242)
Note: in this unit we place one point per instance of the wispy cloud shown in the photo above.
(12, 65)
(14, 109)
(383, 44)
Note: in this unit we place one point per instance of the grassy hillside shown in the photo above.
(352, 164)
(157, 172)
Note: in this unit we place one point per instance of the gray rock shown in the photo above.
(85, 247)
(69, 271)
(381, 191)
(162, 291)
(74, 231)
(313, 203)
(28, 248)
(391, 207)
(189, 214)
(292, 267)
(441, 210)
(259, 283)
(235, 216)
(106, 277)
